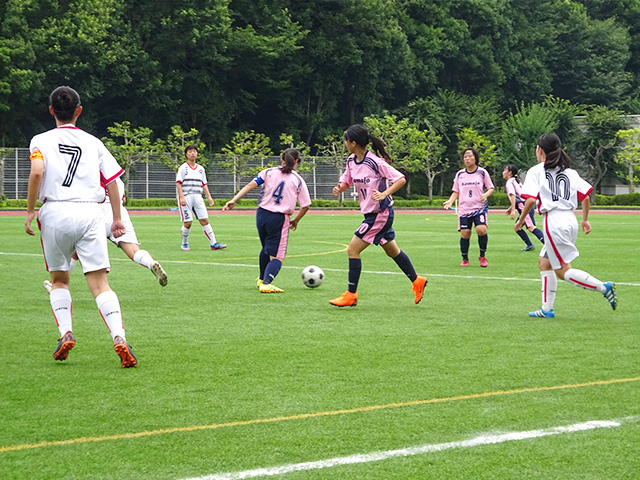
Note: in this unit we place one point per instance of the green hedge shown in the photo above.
(498, 199)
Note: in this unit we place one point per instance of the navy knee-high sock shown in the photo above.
(273, 267)
(483, 240)
(355, 267)
(464, 248)
(263, 260)
(538, 233)
(523, 235)
(403, 261)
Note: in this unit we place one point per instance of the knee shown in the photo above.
(187, 225)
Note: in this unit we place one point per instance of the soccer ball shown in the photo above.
(312, 276)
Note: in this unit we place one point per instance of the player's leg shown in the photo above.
(62, 308)
(186, 216)
(464, 226)
(350, 297)
(483, 237)
(404, 262)
(144, 258)
(275, 228)
(583, 279)
(530, 223)
(549, 282)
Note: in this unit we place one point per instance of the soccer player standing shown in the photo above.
(191, 182)
(558, 189)
(371, 175)
(67, 168)
(513, 189)
(472, 186)
(282, 188)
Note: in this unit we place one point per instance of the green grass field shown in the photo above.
(230, 380)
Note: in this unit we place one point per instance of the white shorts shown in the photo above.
(69, 226)
(130, 234)
(194, 204)
(560, 234)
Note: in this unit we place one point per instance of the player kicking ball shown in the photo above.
(128, 242)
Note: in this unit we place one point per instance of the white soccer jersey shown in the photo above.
(192, 179)
(555, 189)
(76, 165)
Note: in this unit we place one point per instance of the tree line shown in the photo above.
(430, 76)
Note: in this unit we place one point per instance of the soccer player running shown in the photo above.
(513, 188)
(67, 166)
(472, 186)
(128, 242)
(558, 189)
(371, 175)
(282, 188)
(191, 181)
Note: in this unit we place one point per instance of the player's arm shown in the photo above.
(339, 188)
(512, 208)
(117, 227)
(486, 194)
(243, 191)
(584, 223)
(183, 201)
(35, 179)
(294, 223)
(528, 205)
(209, 197)
(391, 189)
(452, 198)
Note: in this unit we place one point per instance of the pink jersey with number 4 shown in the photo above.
(372, 173)
(281, 191)
(469, 186)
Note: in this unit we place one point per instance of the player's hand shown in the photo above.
(183, 201)
(211, 202)
(336, 191)
(293, 225)
(483, 197)
(27, 223)
(518, 226)
(513, 215)
(229, 205)
(586, 227)
(447, 204)
(378, 196)
(117, 228)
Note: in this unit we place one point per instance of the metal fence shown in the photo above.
(155, 180)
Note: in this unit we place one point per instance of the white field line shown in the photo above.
(485, 439)
(339, 270)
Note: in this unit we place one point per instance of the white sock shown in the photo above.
(109, 307)
(208, 231)
(549, 287)
(60, 299)
(185, 235)
(143, 258)
(584, 280)
(72, 264)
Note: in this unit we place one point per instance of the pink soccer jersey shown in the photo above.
(281, 191)
(77, 165)
(555, 189)
(469, 187)
(512, 187)
(372, 173)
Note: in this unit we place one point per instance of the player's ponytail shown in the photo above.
(359, 134)
(64, 101)
(290, 156)
(555, 156)
(514, 171)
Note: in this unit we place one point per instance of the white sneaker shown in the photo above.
(47, 286)
(159, 272)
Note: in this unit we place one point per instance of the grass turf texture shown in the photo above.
(212, 351)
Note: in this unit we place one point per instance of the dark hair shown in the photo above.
(64, 101)
(475, 153)
(190, 147)
(555, 156)
(290, 157)
(359, 134)
(514, 171)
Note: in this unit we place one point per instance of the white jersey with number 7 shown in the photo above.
(77, 165)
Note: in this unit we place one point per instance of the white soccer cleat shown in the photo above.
(47, 286)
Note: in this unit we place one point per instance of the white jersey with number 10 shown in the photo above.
(555, 189)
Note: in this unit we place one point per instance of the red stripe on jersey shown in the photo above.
(582, 196)
(107, 181)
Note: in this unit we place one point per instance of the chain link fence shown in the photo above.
(155, 180)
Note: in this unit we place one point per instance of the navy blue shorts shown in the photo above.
(465, 223)
(377, 228)
(273, 230)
